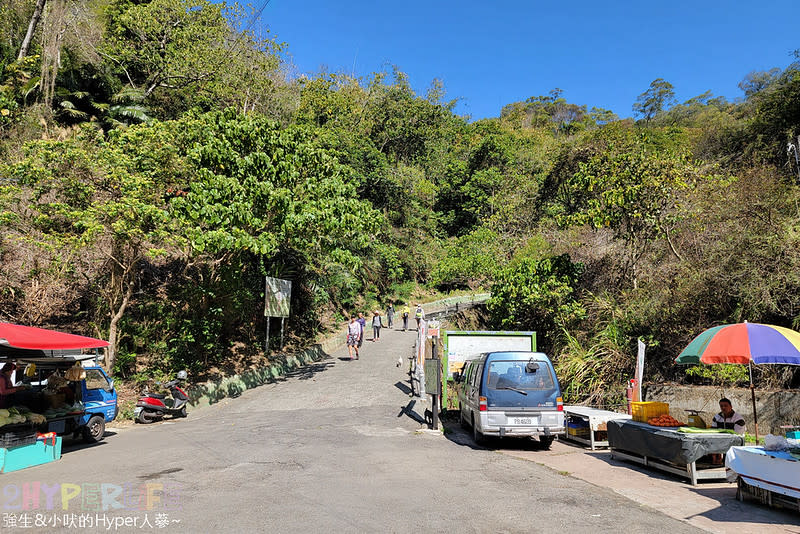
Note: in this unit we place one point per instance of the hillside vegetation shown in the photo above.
(159, 159)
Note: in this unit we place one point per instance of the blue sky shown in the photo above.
(489, 54)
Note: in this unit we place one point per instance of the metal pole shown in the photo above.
(266, 343)
(281, 347)
(435, 403)
(753, 395)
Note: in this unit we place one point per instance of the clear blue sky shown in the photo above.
(489, 54)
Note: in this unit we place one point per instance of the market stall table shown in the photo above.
(668, 449)
(21, 447)
(771, 476)
(594, 420)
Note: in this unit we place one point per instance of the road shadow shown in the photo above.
(459, 435)
(748, 511)
(408, 410)
(652, 472)
(403, 387)
(160, 474)
(308, 371)
(70, 444)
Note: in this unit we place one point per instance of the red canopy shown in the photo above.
(28, 337)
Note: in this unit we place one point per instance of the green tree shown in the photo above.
(547, 111)
(657, 99)
(182, 53)
(634, 193)
(100, 204)
(756, 81)
(539, 295)
(470, 261)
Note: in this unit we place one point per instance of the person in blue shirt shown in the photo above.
(363, 323)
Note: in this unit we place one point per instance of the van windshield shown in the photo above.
(514, 374)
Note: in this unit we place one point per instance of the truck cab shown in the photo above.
(96, 391)
(100, 400)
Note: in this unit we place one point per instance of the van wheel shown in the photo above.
(545, 442)
(477, 435)
(95, 429)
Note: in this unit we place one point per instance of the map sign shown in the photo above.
(278, 295)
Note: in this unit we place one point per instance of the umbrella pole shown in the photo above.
(753, 396)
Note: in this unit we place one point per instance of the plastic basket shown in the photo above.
(16, 439)
(578, 432)
(642, 411)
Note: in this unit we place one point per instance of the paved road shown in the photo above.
(334, 448)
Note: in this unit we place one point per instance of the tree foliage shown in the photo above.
(658, 97)
(539, 295)
(160, 158)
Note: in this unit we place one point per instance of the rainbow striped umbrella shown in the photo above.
(744, 343)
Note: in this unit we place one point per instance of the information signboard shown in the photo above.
(277, 298)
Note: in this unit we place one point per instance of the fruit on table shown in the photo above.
(664, 420)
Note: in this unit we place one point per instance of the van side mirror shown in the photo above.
(457, 377)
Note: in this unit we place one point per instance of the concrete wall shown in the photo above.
(775, 408)
(232, 386)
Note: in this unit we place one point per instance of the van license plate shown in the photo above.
(522, 421)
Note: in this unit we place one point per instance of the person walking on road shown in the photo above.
(376, 325)
(353, 335)
(406, 312)
(389, 315)
(419, 315)
(363, 322)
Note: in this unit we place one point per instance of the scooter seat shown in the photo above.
(157, 395)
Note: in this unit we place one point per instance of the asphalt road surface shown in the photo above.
(336, 447)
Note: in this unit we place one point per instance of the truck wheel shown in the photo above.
(462, 419)
(477, 435)
(545, 442)
(95, 429)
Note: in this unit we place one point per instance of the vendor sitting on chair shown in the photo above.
(727, 418)
(7, 388)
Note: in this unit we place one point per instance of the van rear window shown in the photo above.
(504, 374)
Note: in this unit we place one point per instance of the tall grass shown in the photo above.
(594, 372)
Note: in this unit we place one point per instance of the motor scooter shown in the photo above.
(154, 406)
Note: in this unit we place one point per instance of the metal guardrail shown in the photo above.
(455, 303)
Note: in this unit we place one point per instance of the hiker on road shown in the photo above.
(353, 335)
(363, 322)
(389, 315)
(376, 325)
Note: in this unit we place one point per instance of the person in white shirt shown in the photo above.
(353, 336)
(727, 418)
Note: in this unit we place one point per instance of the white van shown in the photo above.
(511, 394)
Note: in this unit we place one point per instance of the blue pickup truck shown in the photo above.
(96, 392)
